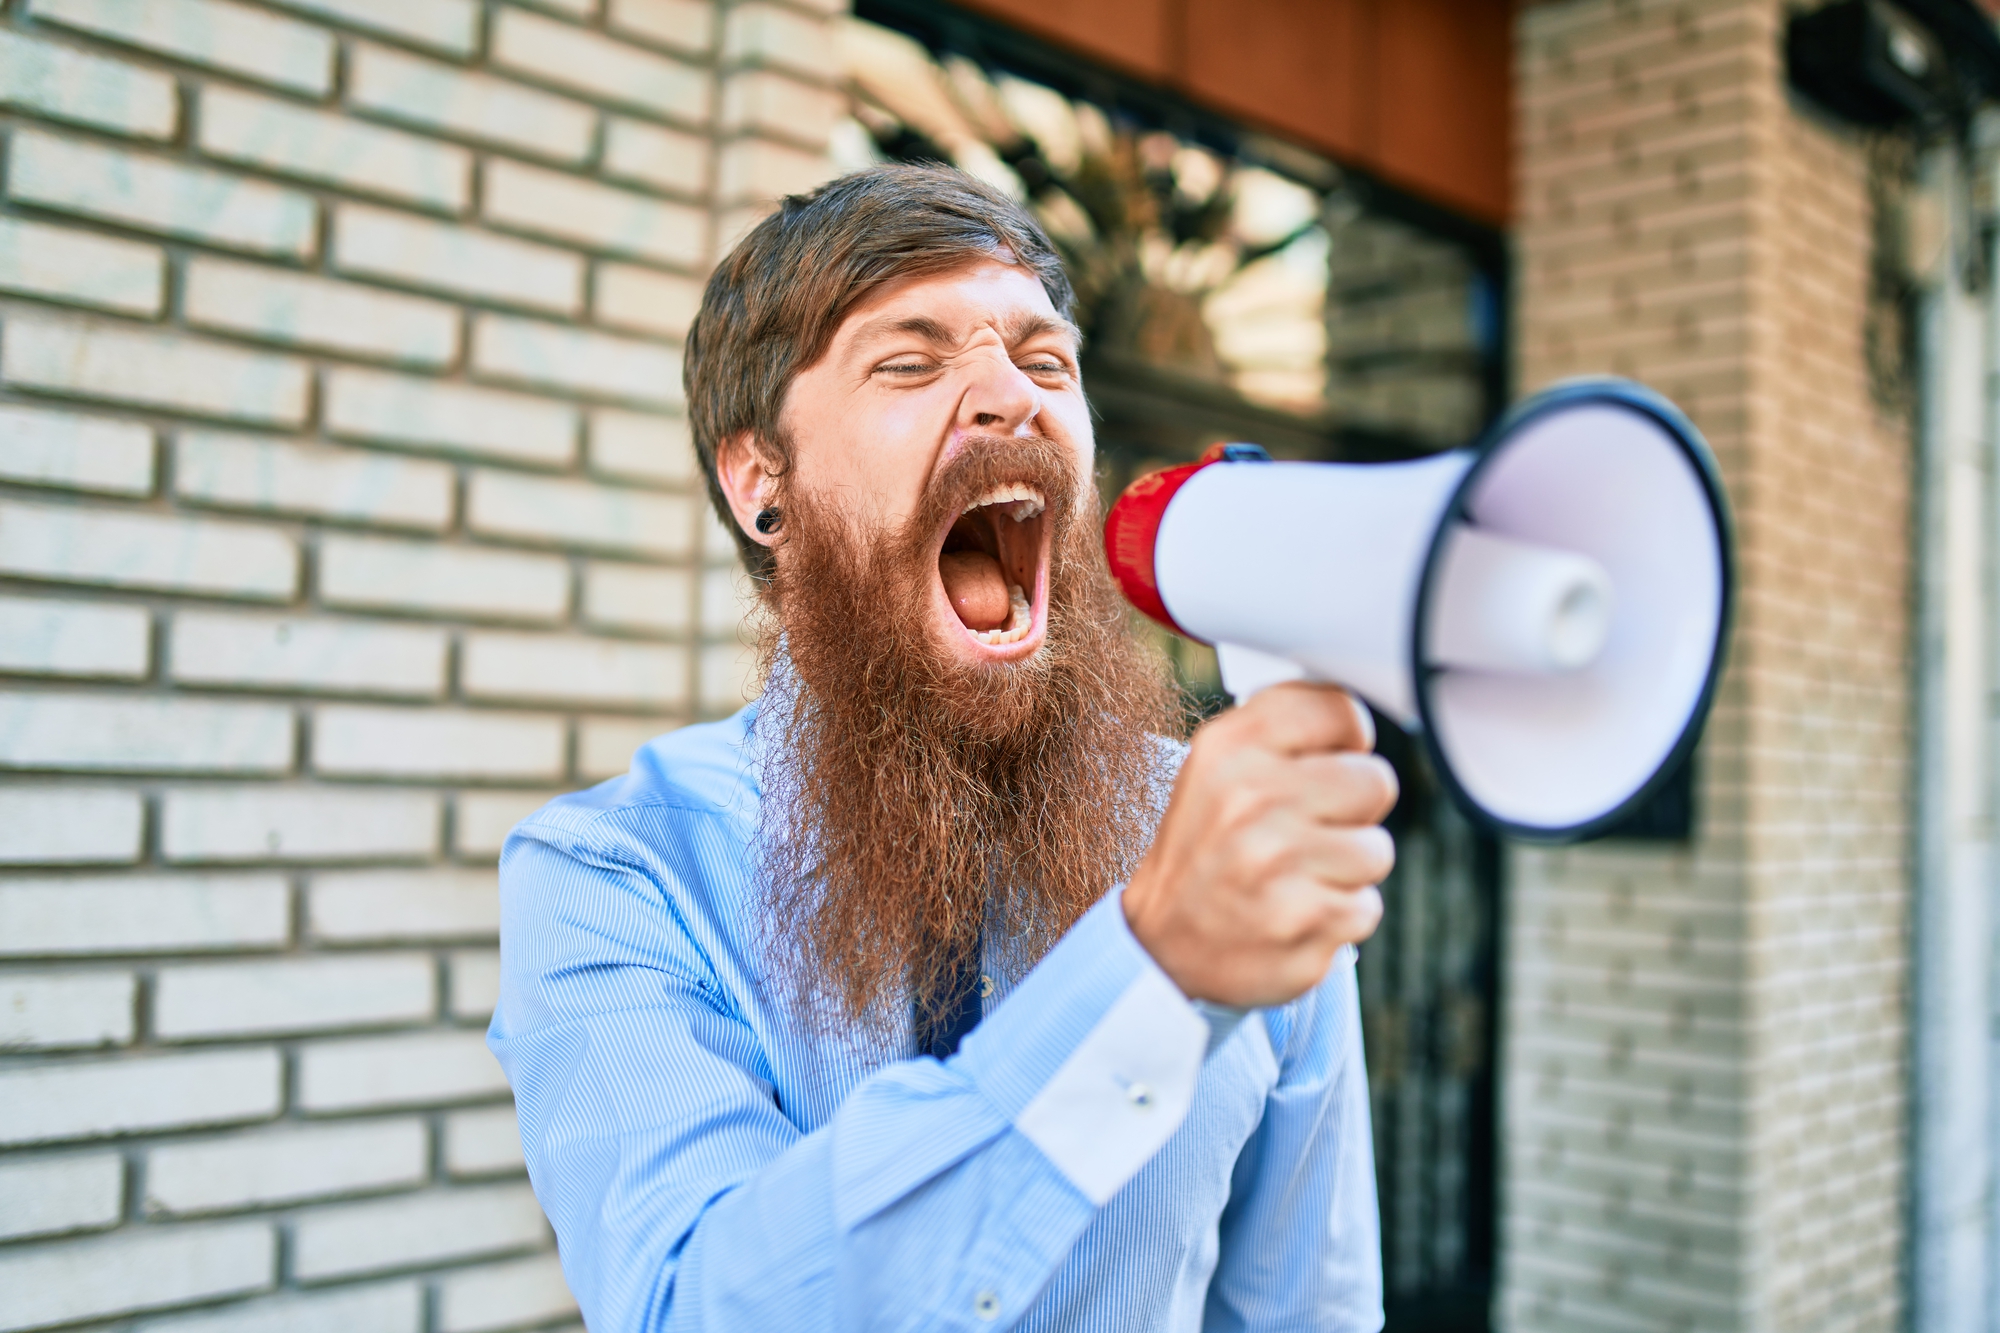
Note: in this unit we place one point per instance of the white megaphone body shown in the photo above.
(1548, 607)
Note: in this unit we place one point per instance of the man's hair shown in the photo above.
(772, 306)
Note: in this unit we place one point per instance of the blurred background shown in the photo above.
(347, 513)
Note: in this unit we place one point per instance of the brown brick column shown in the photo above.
(1704, 1045)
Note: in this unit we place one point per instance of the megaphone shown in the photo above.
(1548, 607)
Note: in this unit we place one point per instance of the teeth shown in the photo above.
(1025, 500)
(1020, 618)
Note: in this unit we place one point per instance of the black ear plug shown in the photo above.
(768, 520)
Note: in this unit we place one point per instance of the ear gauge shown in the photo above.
(768, 520)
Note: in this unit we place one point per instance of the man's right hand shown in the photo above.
(1269, 855)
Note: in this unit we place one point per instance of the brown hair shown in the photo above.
(775, 301)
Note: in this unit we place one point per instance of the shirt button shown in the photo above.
(986, 1305)
(1139, 1095)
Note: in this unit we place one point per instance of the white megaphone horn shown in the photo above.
(1548, 607)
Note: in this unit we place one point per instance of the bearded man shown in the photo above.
(903, 998)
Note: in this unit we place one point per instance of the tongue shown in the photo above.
(976, 587)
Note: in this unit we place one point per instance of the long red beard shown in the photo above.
(912, 800)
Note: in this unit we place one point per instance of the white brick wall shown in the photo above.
(347, 513)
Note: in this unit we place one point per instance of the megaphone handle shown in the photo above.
(1246, 670)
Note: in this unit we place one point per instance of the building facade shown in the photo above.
(346, 513)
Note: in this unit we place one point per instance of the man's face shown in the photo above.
(918, 373)
(958, 725)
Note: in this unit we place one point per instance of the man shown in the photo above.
(835, 1014)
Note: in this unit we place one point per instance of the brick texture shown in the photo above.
(347, 513)
(1705, 1093)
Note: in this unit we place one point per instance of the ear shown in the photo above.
(747, 483)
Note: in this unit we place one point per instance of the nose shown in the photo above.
(999, 398)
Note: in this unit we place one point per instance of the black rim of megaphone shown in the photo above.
(1632, 397)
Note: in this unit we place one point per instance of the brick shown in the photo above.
(478, 1143)
(578, 513)
(322, 313)
(66, 84)
(473, 988)
(680, 25)
(155, 369)
(90, 1099)
(53, 1010)
(605, 745)
(278, 476)
(95, 731)
(385, 1307)
(486, 817)
(718, 542)
(143, 914)
(603, 217)
(534, 352)
(766, 102)
(648, 446)
(150, 1269)
(70, 545)
(761, 169)
(645, 300)
(285, 1166)
(386, 905)
(734, 223)
(600, 67)
(289, 652)
(639, 597)
(728, 678)
(573, 669)
(726, 600)
(446, 25)
(451, 580)
(437, 96)
(66, 265)
(656, 155)
(416, 1229)
(406, 1070)
(44, 637)
(68, 826)
(432, 743)
(766, 34)
(44, 448)
(497, 1296)
(52, 1195)
(297, 824)
(405, 248)
(321, 146)
(372, 405)
(152, 194)
(216, 33)
(292, 995)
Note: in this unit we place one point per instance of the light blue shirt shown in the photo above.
(708, 1163)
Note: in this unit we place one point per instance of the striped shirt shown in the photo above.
(710, 1162)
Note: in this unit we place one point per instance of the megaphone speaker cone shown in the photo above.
(1548, 607)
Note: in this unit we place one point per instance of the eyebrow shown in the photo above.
(1017, 330)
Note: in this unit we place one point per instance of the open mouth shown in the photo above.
(991, 565)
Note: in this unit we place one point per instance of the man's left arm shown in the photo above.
(1301, 1238)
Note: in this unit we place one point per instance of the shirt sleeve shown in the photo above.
(1301, 1242)
(938, 1195)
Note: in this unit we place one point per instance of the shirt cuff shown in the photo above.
(1095, 1054)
